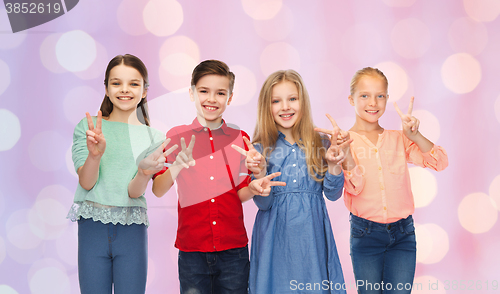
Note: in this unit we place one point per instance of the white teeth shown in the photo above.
(123, 98)
(210, 108)
(287, 115)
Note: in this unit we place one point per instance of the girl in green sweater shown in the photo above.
(115, 154)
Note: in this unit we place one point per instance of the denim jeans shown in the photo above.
(383, 255)
(214, 272)
(112, 255)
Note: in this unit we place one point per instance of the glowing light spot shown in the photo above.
(151, 272)
(277, 28)
(432, 243)
(261, 9)
(45, 148)
(48, 54)
(49, 280)
(165, 110)
(495, 191)
(279, 56)
(10, 130)
(179, 55)
(8, 40)
(354, 40)
(461, 73)
(497, 108)
(5, 74)
(22, 237)
(411, 38)
(6, 289)
(2, 204)
(423, 186)
(96, 69)
(399, 3)
(397, 77)
(468, 36)
(80, 100)
(426, 284)
(477, 213)
(76, 43)
(3, 251)
(129, 16)
(245, 87)
(52, 212)
(429, 124)
(179, 64)
(67, 247)
(484, 10)
(69, 163)
(163, 17)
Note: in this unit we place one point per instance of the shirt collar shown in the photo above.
(197, 127)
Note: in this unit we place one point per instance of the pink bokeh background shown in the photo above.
(445, 53)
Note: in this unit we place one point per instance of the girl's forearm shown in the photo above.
(138, 184)
(88, 173)
(422, 142)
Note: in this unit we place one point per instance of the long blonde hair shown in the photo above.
(266, 132)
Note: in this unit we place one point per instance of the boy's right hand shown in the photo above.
(96, 144)
(254, 161)
(185, 157)
(263, 185)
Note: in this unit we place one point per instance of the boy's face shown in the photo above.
(211, 95)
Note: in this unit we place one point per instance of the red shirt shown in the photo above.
(209, 210)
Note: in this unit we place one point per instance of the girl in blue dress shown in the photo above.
(293, 249)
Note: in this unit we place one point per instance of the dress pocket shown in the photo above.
(358, 232)
(396, 161)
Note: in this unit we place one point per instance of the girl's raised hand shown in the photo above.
(410, 123)
(96, 144)
(339, 142)
(263, 185)
(156, 160)
(185, 157)
(254, 161)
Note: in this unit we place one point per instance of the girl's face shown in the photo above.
(285, 105)
(125, 88)
(370, 98)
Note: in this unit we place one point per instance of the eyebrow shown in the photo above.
(207, 88)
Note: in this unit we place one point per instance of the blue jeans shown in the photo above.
(112, 255)
(383, 255)
(214, 272)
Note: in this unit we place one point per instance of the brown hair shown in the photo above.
(367, 71)
(135, 62)
(212, 67)
(266, 132)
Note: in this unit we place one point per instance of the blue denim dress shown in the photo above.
(293, 249)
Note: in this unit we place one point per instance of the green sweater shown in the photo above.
(126, 146)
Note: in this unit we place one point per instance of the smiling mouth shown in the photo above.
(287, 116)
(211, 108)
(124, 98)
(372, 111)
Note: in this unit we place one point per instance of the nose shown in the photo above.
(124, 88)
(372, 101)
(211, 98)
(285, 105)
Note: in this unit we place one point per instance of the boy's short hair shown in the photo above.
(212, 67)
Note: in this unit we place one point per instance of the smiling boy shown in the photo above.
(212, 182)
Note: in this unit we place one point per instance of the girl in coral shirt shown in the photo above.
(377, 187)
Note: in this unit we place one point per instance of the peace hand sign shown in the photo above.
(154, 162)
(409, 122)
(263, 185)
(185, 157)
(336, 153)
(96, 144)
(254, 161)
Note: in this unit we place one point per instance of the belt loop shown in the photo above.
(401, 228)
(369, 224)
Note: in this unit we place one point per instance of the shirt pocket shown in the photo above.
(396, 161)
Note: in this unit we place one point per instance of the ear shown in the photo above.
(144, 93)
(230, 99)
(191, 93)
(106, 90)
(351, 100)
